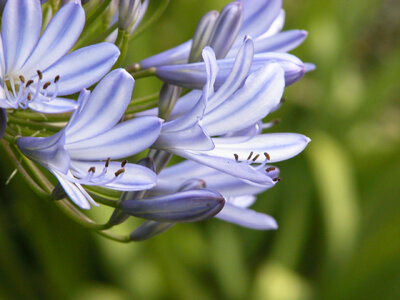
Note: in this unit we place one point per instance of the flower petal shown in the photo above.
(134, 178)
(55, 106)
(187, 206)
(279, 146)
(123, 140)
(247, 218)
(260, 94)
(281, 42)
(149, 229)
(57, 39)
(81, 68)
(104, 107)
(20, 31)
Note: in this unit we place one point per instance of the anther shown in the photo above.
(270, 169)
(57, 78)
(22, 78)
(250, 155)
(236, 157)
(119, 172)
(29, 97)
(29, 82)
(46, 85)
(276, 179)
(108, 162)
(92, 170)
(276, 121)
(39, 74)
(267, 156)
(255, 157)
(123, 163)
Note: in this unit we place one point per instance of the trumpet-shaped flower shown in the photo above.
(81, 153)
(36, 69)
(221, 129)
(238, 194)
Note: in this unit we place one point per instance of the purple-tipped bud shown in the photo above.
(149, 229)
(128, 13)
(3, 122)
(226, 29)
(188, 206)
(167, 99)
(202, 35)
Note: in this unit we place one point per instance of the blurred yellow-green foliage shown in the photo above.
(338, 204)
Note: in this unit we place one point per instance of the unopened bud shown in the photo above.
(130, 12)
(149, 229)
(169, 94)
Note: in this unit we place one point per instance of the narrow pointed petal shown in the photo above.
(260, 94)
(149, 229)
(57, 39)
(281, 42)
(176, 55)
(239, 72)
(48, 152)
(3, 122)
(55, 106)
(277, 25)
(134, 178)
(81, 68)
(228, 166)
(194, 138)
(20, 31)
(309, 67)
(279, 146)
(124, 140)
(247, 218)
(193, 76)
(112, 95)
(72, 190)
(187, 206)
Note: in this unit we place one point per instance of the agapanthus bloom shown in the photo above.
(36, 69)
(221, 129)
(83, 152)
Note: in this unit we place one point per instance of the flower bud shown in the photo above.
(149, 229)
(130, 13)
(167, 99)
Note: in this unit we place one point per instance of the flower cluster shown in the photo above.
(63, 109)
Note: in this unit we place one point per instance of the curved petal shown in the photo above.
(20, 31)
(187, 206)
(55, 106)
(247, 218)
(104, 107)
(260, 94)
(57, 39)
(242, 201)
(279, 146)
(134, 178)
(123, 140)
(81, 68)
(281, 42)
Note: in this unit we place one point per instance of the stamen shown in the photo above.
(92, 170)
(236, 157)
(29, 97)
(251, 154)
(22, 78)
(119, 172)
(123, 163)
(30, 81)
(46, 85)
(39, 74)
(267, 156)
(276, 179)
(108, 162)
(270, 169)
(57, 78)
(255, 157)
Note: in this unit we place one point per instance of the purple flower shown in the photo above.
(81, 153)
(36, 69)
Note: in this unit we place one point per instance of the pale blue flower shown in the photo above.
(239, 195)
(263, 21)
(220, 129)
(36, 69)
(81, 153)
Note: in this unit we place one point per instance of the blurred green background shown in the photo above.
(337, 206)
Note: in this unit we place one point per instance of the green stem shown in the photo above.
(122, 43)
(115, 237)
(144, 73)
(33, 124)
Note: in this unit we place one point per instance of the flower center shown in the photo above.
(20, 91)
